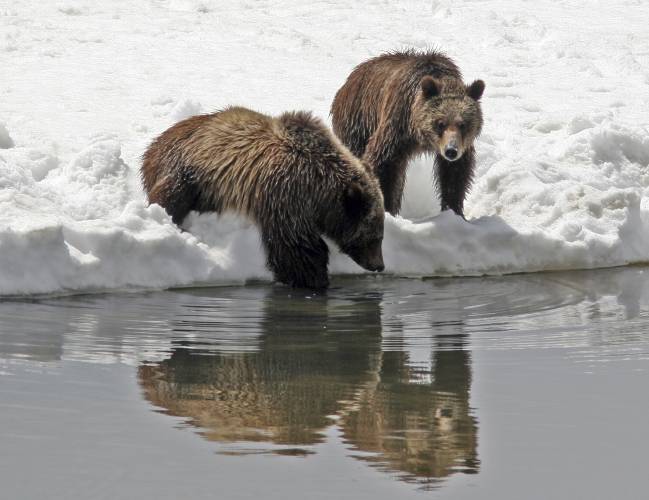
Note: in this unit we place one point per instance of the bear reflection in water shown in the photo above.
(315, 367)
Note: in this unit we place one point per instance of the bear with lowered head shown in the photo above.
(290, 175)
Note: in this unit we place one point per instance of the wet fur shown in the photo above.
(288, 174)
(386, 111)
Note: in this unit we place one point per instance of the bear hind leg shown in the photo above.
(392, 179)
(389, 162)
(176, 195)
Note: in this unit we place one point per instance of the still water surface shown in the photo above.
(521, 387)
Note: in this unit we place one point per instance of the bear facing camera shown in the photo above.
(289, 175)
(401, 104)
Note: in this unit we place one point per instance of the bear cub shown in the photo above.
(289, 175)
(402, 104)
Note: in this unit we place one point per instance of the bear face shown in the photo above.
(361, 233)
(446, 116)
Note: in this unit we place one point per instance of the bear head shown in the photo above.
(446, 115)
(359, 231)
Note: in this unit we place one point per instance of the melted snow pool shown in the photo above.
(529, 386)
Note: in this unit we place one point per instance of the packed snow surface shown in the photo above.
(563, 161)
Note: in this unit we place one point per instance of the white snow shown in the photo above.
(6, 141)
(563, 162)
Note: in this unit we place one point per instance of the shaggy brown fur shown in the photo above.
(288, 174)
(401, 104)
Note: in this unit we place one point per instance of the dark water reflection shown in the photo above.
(388, 364)
(319, 361)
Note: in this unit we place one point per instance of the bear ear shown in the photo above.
(475, 90)
(430, 87)
(355, 201)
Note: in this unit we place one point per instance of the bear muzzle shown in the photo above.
(374, 260)
(450, 146)
(451, 153)
(375, 267)
(370, 258)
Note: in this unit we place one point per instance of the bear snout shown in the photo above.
(375, 262)
(375, 267)
(450, 149)
(451, 153)
(450, 146)
(370, 259)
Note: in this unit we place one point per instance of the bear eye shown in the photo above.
(440, 126)
(462, 126)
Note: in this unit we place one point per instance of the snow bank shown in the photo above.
(81, 228)
(6, 141)
(563, 175)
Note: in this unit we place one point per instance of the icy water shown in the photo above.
(522, 387)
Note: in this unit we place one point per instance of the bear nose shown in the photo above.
(450, 153)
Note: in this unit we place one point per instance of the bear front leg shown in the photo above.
(454, 179)
(388, 160)
(298, 260)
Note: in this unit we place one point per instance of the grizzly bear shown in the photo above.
(289, 175)
(401, 104)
